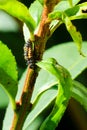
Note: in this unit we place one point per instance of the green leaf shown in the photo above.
(8, 118)
(64, 92)
(3, 98)
(36, 10)
(72, 12)
(77, 12)
(79, 93)
(8, 73)
(43, 103)
(19, 11)
(4, 1)
(76, 36)
(9, 112)
(50, 66)
(41, 1)
(56, 15)
(64, 5)
(70, 58)
(70, 2)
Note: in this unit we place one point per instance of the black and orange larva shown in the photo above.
(28, 54)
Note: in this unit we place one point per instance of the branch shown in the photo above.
(24, 105)
(44, 32)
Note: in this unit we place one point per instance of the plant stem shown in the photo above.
(24, 106)
(44, 31)
(24, 103)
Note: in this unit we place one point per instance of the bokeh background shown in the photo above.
(75, 118)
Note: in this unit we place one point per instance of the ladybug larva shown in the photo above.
(28, 54)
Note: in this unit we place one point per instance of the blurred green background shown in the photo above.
(11, 34)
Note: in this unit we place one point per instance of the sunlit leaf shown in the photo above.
(56, 15)
(64, 5)
(8, 73)
(76, 36)
(70, 58)
(41, 1)
(70, 2)
(63, 95)
(77, 12)
(36, 10)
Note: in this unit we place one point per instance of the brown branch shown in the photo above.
(24, 105)
(44, 32)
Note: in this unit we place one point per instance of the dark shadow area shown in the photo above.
(2, 114)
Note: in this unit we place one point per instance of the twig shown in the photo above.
(24, 105)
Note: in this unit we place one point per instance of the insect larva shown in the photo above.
(28, 54)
